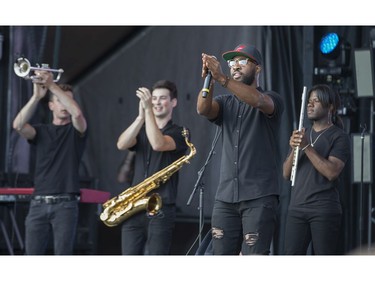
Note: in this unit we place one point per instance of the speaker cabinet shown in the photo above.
(357, 144)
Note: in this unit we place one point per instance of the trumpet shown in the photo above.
(22, 68)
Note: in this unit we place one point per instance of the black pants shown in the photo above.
(305, 227)
(150, 236)
(56, 220)
(246, 227)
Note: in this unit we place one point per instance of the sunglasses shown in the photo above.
(241, 62)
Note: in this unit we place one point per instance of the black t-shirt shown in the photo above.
(249, 167)
(148, 162)
(58, 153)
(312, 191)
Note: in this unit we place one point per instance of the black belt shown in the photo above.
(54, 199)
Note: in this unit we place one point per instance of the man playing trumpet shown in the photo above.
(59, 147)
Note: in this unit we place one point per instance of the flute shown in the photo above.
(296, 151)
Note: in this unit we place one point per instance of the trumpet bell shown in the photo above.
(22, 67)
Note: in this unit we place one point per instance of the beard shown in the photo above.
(248, 79)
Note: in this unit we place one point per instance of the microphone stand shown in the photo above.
(200, 184)
(361, 186)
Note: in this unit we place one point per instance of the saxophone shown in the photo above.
(134, 199)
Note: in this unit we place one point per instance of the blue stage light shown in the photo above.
(329, 43)
(334, 57)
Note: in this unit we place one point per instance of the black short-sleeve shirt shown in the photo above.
(58, 154)
(312, 191)
(249, 137)
(148, 162)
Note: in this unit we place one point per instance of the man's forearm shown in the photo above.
(25, 113)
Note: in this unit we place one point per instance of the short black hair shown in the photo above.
(64, 87)
(165, 84)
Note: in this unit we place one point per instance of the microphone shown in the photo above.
(206, 85)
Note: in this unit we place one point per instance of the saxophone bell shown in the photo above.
(114, 215)
(154, 204)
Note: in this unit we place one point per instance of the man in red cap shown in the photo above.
(244, 213)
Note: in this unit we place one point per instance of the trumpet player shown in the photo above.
(53, 210)
(157, 142)
(314, 213)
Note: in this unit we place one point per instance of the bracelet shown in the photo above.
(225, 84)
(305, 147)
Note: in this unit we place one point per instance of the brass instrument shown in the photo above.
(22, 67)
(296, 151)
(134, 199)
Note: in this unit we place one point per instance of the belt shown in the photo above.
(54, 199)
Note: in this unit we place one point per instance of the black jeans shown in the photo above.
(305, 227)
(246, 227)
(47, 220)
(151, 236)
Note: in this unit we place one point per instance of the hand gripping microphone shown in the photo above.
(206, 85)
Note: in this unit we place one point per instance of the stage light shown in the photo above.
(332, 66)
(329, 45)
(335, 49)
(334, 57)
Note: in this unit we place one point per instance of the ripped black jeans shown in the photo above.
(246, 227)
